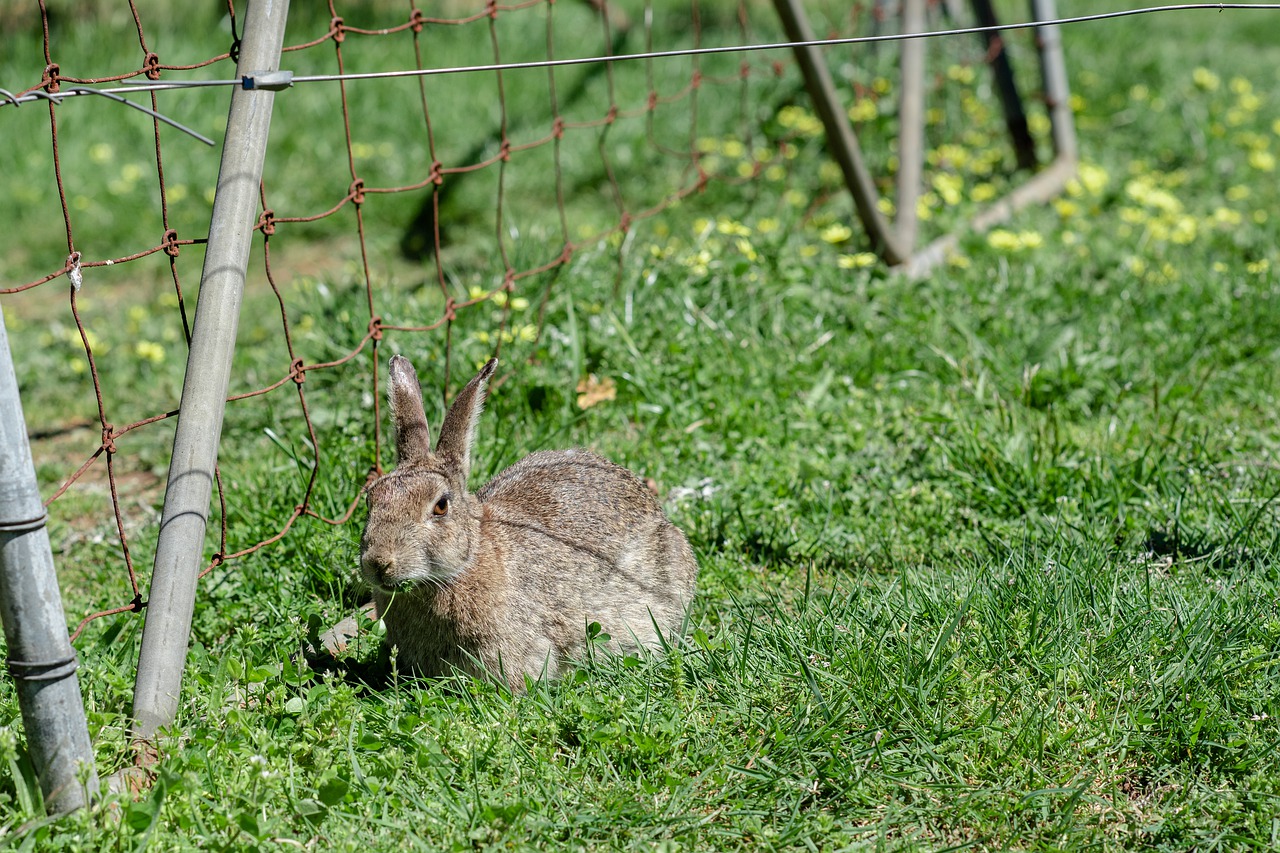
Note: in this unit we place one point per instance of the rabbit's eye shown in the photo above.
(441, 507)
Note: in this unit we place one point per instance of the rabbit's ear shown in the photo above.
(458, 432)
(413, 437)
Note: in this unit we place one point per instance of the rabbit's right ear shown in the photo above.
(458, 432)
(413, 437)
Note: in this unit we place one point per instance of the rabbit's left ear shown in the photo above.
(413, 437)
(458, 432)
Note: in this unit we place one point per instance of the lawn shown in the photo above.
(988, 559)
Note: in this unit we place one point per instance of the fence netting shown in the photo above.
(497, 187)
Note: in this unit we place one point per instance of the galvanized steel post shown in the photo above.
(41, 659)
(180, 547)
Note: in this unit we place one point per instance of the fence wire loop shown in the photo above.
(267, 222)
(170, 243)
(73, 271)
(43, 670)
(50, 81)
(151, 66)
(417, 21)
(25, 525)
(108, 438)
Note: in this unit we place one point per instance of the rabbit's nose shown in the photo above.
(378, 566)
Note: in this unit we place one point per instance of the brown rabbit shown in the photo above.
(512, 576)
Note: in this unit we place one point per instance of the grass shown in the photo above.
(987, 560)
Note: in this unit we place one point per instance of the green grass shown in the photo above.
(988, 560)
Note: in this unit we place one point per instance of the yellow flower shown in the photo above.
(1205, 79)
(1237, 193)
(150, 351)
(1005, 241)
(767, 225)
(475, 293)
(808, 251)
(948, 187)
(856, 261)
(732, 148)
(864, 110)
(519, 303)
(1258, 267)
(881, 86)
(1065, 208)
(837, 232)
(1263, 161)
(960, 74)
(885, 206)
(775, 173)
(800, 120)
(1240, 86)
(1093, 178)
(725, 225)
(983, 192)
(796, 198)
(748, 251)
(1226, 216)
(1184, 230)
(1139, 92)
(949, 154)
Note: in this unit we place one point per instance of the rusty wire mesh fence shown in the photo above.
(490, 198)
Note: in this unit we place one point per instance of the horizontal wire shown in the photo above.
(662, 54)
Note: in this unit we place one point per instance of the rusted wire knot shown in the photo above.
(338, 30)
(108, 438)
(695, 81)
(449, 313)
(170, 243)
(611, 116)
(356, 191)
(298, 372)
(151, 66)
(436, 175)
(491, 8)
(50, 80)
(417, 21)
(504, 152)
(557, 128)
(375, 329)
(73, 271)
(215, 561)
(267, 222)
(653, 101)
(624, 222)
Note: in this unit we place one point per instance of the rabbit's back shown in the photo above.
(588, 542)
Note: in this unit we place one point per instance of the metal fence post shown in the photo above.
(180, 546)
(842, 143)
(41, 659)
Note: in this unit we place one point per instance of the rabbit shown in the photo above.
(504, 582)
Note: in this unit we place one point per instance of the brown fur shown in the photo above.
(505, 581)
